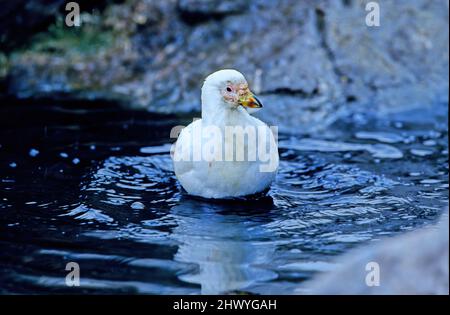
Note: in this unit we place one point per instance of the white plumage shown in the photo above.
(225, 98)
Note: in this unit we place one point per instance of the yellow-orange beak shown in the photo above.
(249, 100)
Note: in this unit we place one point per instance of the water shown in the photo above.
(94, 185)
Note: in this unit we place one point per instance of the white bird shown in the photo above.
(211, 159)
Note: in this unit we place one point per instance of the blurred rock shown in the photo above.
(402, 62)
(21, 18)
(414, 263)
(196, 11)
(310, 61)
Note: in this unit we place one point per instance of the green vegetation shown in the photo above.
(61, 39)
(3, 65)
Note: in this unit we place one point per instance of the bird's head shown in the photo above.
(232, 89)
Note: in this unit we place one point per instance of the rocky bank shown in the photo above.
(310, 61)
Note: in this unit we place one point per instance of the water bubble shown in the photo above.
(64, 155)
(33, 152)
(430, 181)
(137, 205)
(429, 143)
(165, 148)
(434, 134)
(386, 137)
(76, 161)
(420, 152)
(13, 164)
(384, 151)
(409, 139)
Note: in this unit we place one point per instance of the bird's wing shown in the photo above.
(182, 158)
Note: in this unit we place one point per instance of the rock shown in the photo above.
(311, 62)
(414, 263)
(20, 19)
(196, 11)
(385, 66)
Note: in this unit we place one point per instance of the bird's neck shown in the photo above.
(216, 112)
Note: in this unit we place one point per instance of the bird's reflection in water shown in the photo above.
(226, 240)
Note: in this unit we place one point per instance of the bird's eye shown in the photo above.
(228, 89)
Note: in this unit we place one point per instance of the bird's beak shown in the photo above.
(249, 100)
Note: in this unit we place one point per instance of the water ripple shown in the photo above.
(133, 230)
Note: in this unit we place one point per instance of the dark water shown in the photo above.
(94, 185)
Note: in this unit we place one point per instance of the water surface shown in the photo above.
(92, 184)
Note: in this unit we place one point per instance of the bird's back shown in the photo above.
(218, 176)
